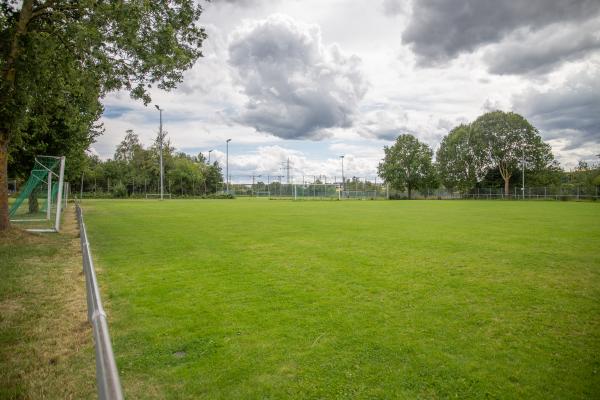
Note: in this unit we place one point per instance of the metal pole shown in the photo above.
(210, 151)
(49, 199)
(523, 187)
(160, 153)
(343, 180)
(61, 181)
(227, 164)
(107, 374)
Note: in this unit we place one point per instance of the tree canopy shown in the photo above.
(57, 58)
(134, 170)
(407, 165)
(459, 159)
(507, 141)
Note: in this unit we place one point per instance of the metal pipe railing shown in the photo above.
(107, 374)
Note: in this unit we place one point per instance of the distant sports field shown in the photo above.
(256, 299)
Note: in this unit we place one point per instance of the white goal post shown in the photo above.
(45, 170)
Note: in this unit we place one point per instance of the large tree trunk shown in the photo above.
(8, 86)
(409, 192)
(4, 222)
(506, 187)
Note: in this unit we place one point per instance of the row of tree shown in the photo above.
(134, 170)
(496, 146)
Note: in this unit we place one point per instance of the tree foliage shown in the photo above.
(58, 57)
(407, 165)
(135, 170)
(459, 159)
(496, 146)
(508, 142)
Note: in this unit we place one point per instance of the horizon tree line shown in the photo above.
(134, 170)
(492, 149)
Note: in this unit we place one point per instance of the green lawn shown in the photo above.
(228, 299)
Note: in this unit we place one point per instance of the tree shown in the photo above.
(459, 159)
(52, 50)
(407, 165)
(129, 147)
(508, 141)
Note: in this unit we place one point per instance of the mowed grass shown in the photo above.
(254, 299)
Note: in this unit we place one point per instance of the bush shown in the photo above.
(119, 190)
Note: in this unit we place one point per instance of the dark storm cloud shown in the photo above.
(570, 112)
(297, 88)
(440, 30)
(544, 50)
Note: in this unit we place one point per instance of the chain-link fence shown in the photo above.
(320, 187)
(565, 192)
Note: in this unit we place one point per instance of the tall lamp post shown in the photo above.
(523, 175)
(227, 165)
(254, 176)
(343, 180)
(210, 151)
(160, 152)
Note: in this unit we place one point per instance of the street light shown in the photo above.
(210, 151)
(160, 146)
(227, 165)
(523, 187)
(343, 180)
(254, 176)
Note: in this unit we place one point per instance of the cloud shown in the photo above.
(385, 125)
(440, 30)
(539, 52)
(296, 86)
(388, 124)
(393, 7)
(570, 112)
(243, 3)
(360, 160)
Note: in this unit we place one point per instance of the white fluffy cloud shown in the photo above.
(270, 82)
(296, 86)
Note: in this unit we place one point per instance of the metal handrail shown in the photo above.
(107, 374)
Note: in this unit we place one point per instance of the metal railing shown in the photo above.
(107, 374)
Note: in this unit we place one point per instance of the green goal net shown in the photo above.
(38, 205)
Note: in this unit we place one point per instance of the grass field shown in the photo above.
(407, 299)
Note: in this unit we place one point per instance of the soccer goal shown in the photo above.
(39, 204)
(157, 196)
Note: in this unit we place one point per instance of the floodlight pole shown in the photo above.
(227, 164)
(523, 187)
(210, 151)
(160, 152)
(254, 176)
(343, 180)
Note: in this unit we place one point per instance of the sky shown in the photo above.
(310, 80)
